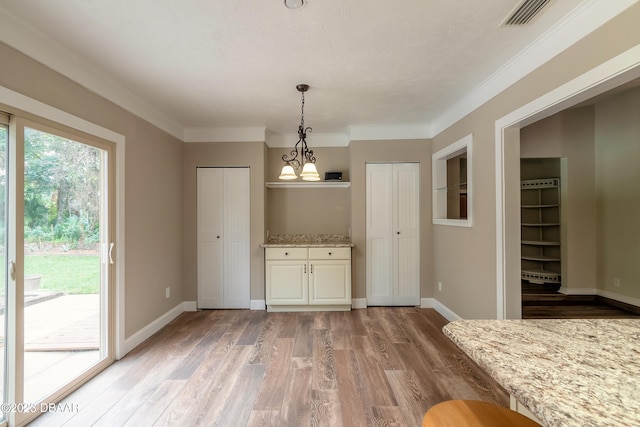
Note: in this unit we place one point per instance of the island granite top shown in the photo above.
(308, 241)
(568, 372)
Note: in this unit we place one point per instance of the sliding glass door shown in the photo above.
(60, 327)
(4, 143)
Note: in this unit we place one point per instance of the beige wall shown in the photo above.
(251, 154)
(153, 187)
(570, 135)
(617, 142)
(363, 152)
(465, 259)
(309, 211)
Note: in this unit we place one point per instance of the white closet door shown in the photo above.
(223, 237)
(379, 229)
(406, 214)
(393, 236)
(210, 211)
(236, 238)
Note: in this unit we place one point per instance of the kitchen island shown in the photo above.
(566, 372)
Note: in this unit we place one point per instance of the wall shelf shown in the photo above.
(301, 184)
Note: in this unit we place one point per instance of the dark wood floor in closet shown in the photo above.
(545, 302)
(371, 367)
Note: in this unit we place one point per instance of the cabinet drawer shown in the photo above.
(286, 253)
(329, 253)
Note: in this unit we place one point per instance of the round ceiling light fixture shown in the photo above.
(294, 4)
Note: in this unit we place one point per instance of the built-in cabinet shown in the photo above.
(299, 279)
(393, 233)
(540, 230)
(223, 225)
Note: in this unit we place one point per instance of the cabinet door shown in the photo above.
(330, 282)
(287, 283)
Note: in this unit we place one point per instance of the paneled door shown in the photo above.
(393, 234)
(223, 225)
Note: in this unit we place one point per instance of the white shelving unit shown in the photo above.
(540, 230)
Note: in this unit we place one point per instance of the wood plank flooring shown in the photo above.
(545, 302)
(372, 367)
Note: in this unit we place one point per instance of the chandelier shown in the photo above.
(307, 159)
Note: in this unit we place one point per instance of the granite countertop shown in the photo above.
(577, 372)
(308, 241)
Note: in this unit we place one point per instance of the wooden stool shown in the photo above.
(473, 413)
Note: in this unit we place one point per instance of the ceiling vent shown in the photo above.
(525, 12)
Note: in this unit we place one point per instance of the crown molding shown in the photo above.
(382, 132)
(220, 134)
(288, 140)
(31, 42)
(582, 21)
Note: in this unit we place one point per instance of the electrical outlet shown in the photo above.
(440, 286)
(616, 282)
(167, 292)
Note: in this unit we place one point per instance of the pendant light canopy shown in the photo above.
(307, 159)
(294, 4)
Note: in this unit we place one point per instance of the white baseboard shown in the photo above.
(138, 338)
(258, 304)
(621, 298)
(358, 303)
(190, 306)
(440, 308)
(578, 291)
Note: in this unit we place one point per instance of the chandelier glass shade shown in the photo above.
(301, 155)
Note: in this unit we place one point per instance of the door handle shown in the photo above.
(12, 270)
(111, 245)
(305, 269)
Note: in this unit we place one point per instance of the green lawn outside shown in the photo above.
(72, 274)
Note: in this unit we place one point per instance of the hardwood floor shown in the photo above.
(372, 367)
(545, 302)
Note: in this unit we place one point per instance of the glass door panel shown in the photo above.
(64, 272)
(4, 142)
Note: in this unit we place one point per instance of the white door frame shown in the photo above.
(608, 75)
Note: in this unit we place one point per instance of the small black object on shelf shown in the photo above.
(333, 176)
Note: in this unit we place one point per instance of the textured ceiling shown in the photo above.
(235, 63)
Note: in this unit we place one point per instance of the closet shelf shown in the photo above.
(539, 243)
(540, 258)
(541, 276)
(546, 224)
(539, 206)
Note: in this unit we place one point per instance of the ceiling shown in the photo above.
(235, 63)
